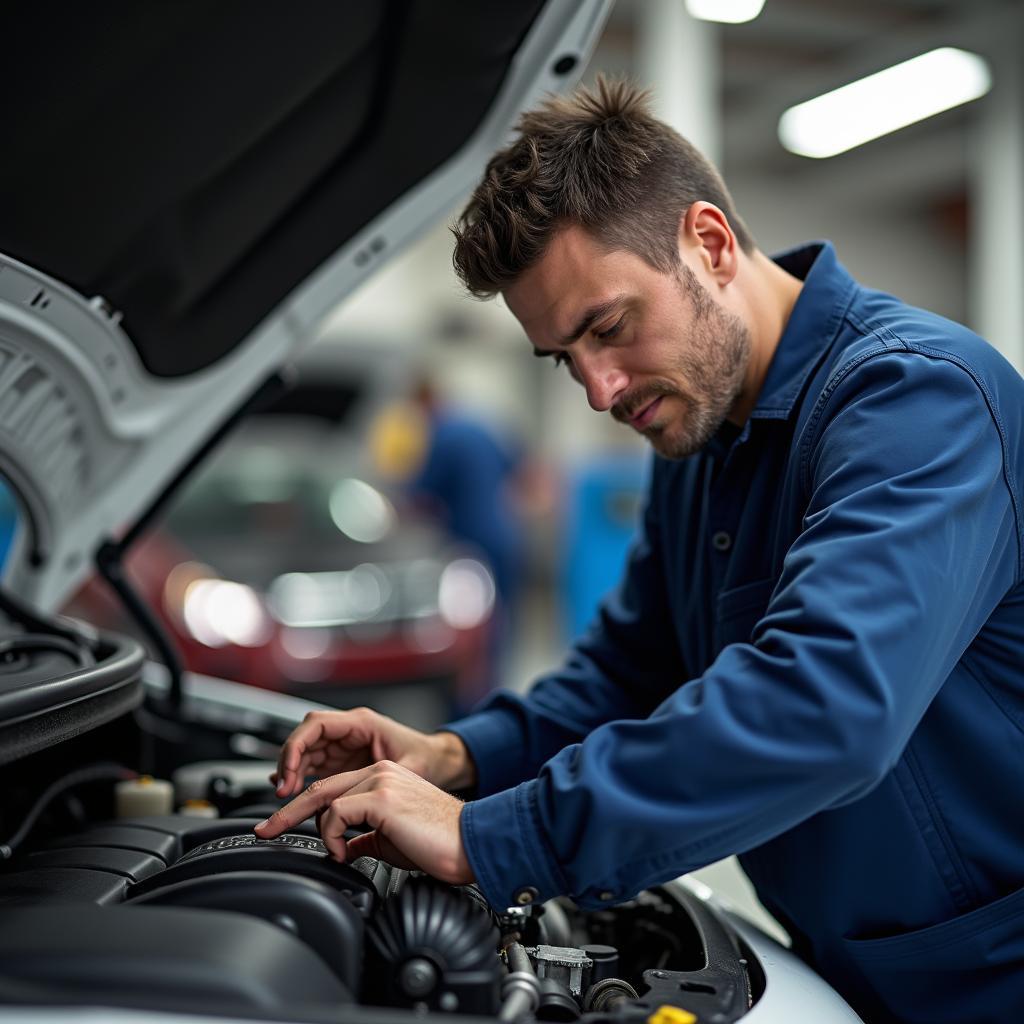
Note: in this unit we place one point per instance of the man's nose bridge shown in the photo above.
(603, 380)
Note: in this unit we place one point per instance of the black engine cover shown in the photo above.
(148, 956)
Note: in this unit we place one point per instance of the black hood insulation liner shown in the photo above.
(211, 156)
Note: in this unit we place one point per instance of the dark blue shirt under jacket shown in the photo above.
(815, 659)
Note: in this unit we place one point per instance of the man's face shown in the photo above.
(653, 349)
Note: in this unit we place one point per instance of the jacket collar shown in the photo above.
(818, 312)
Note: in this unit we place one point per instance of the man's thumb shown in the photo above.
(373, 844)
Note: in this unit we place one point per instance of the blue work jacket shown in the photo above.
(815, 659)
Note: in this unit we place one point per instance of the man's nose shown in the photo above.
(604, 382)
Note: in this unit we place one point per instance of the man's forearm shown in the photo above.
(454, 767)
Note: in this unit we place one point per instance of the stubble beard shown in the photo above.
(713, 364)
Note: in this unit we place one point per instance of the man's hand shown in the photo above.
(415, 824)
(328, 742)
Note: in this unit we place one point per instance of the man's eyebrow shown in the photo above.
(592, 314)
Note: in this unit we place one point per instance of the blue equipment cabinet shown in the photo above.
(602, 514)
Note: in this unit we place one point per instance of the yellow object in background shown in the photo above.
(398, 440)
(198, 809)
(671, 1015)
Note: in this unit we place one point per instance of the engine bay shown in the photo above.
(173, 912)
(152, 892)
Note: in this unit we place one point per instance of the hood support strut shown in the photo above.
(110, 555)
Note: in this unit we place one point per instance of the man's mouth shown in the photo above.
(642, 418)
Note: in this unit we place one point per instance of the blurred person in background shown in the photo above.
(815, 658)
(465, 472)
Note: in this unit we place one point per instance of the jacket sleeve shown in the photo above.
(908, 543)
(616, 671)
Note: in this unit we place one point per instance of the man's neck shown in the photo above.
(771, 295)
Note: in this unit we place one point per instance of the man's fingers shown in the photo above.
(306, 748)
(297, 748)
(413, 823)
(304, 806)
(298, 756)
(373, 844)
(343, 812)
(332, 829)
(307, 803)
(277, 780)
(290, 761)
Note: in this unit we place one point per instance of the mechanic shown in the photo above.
(815, 658)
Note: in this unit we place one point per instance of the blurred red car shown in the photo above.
(278, 568)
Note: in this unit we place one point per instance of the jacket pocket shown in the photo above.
(970, 968)
(739, 609)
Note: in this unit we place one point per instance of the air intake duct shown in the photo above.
(432, 946)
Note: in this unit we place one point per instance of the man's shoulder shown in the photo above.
(877, 326)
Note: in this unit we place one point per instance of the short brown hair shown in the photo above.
(598, 159)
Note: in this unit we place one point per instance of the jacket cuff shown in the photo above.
(508, 851)
(495, 742)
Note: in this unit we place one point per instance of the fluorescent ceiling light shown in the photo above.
(883, 102)
(730, 11)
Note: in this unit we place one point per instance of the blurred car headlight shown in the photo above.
(306, 644)
(361, 512)
(465, 593)
(219, 612)
(330, 598)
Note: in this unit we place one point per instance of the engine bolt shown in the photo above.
(417, 977)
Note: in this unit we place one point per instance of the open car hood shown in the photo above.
(189, 189)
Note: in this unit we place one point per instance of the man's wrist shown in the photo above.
(455, 768)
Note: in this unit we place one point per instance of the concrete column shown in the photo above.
(679, 57)
(996, 203)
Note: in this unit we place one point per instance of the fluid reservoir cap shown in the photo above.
(198, 809)
(143, 796)
(671, 1015)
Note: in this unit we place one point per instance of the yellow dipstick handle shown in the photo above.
(671, 1015)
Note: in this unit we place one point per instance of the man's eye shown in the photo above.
(612, 331)
(558, 358)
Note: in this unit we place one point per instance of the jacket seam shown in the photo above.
(939, 858)
(938, 820)
(811, 429)
(897, 947)
(877, 328)
(527, 804)
(482, 867)
(993, 411)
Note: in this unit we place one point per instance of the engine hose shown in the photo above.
(520, 989)
(606, 995)
(104, 772)
(554, 925)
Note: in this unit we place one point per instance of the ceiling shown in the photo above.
(797, 49)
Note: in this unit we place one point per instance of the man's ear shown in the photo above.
(704, 231)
